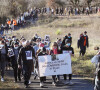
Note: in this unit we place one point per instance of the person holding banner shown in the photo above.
(42, 79)
(68, 49)
(26, 55)
(54, 52)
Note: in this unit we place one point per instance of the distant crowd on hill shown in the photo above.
(32, 15)
(69, 10)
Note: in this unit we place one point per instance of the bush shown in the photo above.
(58, 32)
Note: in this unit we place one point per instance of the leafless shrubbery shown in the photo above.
(13, 8)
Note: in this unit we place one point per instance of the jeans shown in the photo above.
(2, 32)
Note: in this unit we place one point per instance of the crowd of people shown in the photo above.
(68, 10)
(74, 11)
(21, 21)
(22, 55)
(32, 14)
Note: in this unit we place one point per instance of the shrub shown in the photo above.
(58, 32)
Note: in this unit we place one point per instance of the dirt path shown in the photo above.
(79, 84)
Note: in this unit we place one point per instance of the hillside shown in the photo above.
(64, 25)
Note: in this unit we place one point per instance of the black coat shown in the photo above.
(80, 42)
(23, 55)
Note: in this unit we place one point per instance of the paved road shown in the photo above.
(79, 84)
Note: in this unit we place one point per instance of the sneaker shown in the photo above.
(41, 85)
(70, 83)
(15, 81)
(38, 77)
(2, 79)
(32, 73)
(29, 82)
(53, 83)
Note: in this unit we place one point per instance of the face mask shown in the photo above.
(68, 44)
(24, 43)
(9, 39)
(15, 47)
(42, 42)
(69, 36)
(84, 35)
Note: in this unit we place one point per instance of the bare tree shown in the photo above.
(74, 2)
(88, 2)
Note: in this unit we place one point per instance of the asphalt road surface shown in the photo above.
(79, 84)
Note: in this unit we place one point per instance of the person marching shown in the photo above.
(55, 50)
(83, 43)
(86, 42)
(3, 57)
(42, 53)
(70, 38)
(68, 49)
(26, 55)
(14, 57)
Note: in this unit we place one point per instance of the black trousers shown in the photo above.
(42, 79)
(65, 76)
(17, 71)
(2, 68)
(82, 50)
(2, 65)
(54, 78)
(27, 69)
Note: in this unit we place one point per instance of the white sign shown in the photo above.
(10, 52)
(47, 38)
(64, 52)
(28, 55)
(54, 65)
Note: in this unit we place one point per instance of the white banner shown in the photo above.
(54, 65)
